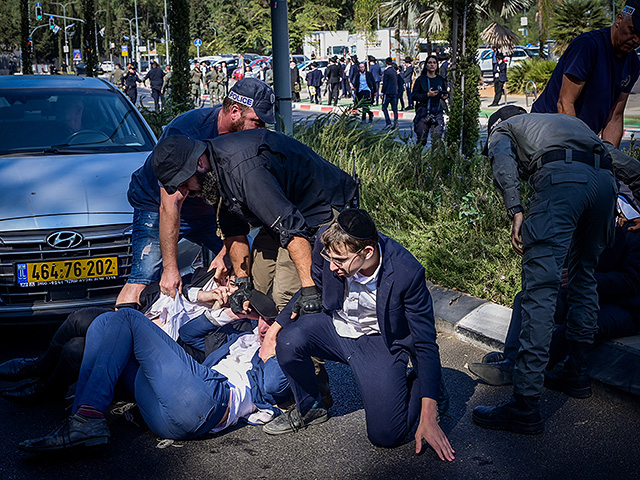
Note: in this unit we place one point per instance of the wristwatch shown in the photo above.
(513, 210)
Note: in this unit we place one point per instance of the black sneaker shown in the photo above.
(292, 421)
(519, 415)
(75, 432)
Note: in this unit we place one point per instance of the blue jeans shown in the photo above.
(145, 239)
(178, 397)
(391, 397)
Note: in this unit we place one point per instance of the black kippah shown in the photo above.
(263, 305)
(357, 223)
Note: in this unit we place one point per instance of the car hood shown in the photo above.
(65, 191)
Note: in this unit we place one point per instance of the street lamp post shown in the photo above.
(135, 3)
(33, 44)
(66, 38)
(130, 20)
(166, 32)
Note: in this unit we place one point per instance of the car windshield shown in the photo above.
(65, 120)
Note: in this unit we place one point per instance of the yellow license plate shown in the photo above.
(66, 271)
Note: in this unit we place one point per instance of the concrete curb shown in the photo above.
(614, 365)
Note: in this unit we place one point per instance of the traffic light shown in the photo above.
(38, 11)
(51, 23)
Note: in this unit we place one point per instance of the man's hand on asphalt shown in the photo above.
(309, 301)
(429, 431)
(516, 237)
(170, 282)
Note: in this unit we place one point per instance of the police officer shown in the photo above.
(268, 179)
(596, 74)
(571, 216)
(160, 219)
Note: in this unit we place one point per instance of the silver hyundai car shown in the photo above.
(68, 146)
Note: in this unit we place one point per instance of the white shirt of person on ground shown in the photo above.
(358, 314)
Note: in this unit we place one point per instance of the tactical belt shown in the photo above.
(593, 159)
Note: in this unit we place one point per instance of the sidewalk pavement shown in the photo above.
(614, 365)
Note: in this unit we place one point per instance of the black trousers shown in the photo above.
(498, 88)
(334, 92)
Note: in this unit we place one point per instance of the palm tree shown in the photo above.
(574, 17)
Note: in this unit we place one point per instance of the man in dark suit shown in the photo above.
(376, 71)
(333, 75)
(390, 92)
(377, 314)
(363, 86)
(407, 75)
(314, 82)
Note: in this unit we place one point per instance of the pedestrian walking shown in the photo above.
(390, 92)
(428, 90)
(407, 74)
(499, 78)
(131, 81)
(195, 81)
(156, 80)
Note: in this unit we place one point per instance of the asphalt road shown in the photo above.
(594, 438)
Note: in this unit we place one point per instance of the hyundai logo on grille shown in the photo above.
(64, 239)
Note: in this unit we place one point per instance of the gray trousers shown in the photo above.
(571, 218)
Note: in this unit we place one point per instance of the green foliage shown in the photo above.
(9, 24)
(438, 203)
(535, 69)
(574, 17)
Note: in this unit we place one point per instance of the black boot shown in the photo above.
(520, 415)
(572, 378)
(19, 369)
(494, 373)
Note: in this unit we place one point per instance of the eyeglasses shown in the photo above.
(338, 263)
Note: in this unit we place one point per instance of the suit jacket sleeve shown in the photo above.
(419, 314)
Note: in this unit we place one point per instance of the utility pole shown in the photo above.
(130, 20)
(281, 73)
(166, 33)
(66, 38)
(96, 31)
(138, 66)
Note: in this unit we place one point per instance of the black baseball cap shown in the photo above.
(505, 112)
(263, 305)
(357, 223)
(632, 8)
(175, 160)
(256, 94)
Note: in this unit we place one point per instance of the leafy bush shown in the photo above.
(438, 203)
(537, 70)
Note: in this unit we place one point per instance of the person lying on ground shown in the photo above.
(178, 397)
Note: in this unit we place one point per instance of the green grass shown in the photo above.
(441, 205)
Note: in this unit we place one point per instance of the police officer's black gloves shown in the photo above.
(309, 301)
(241, 295)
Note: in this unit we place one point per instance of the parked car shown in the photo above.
(107, 66)
(299, 59)
(238, 73)
(485, 58)
(306, 66)
(81, 69)
(68, 146)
